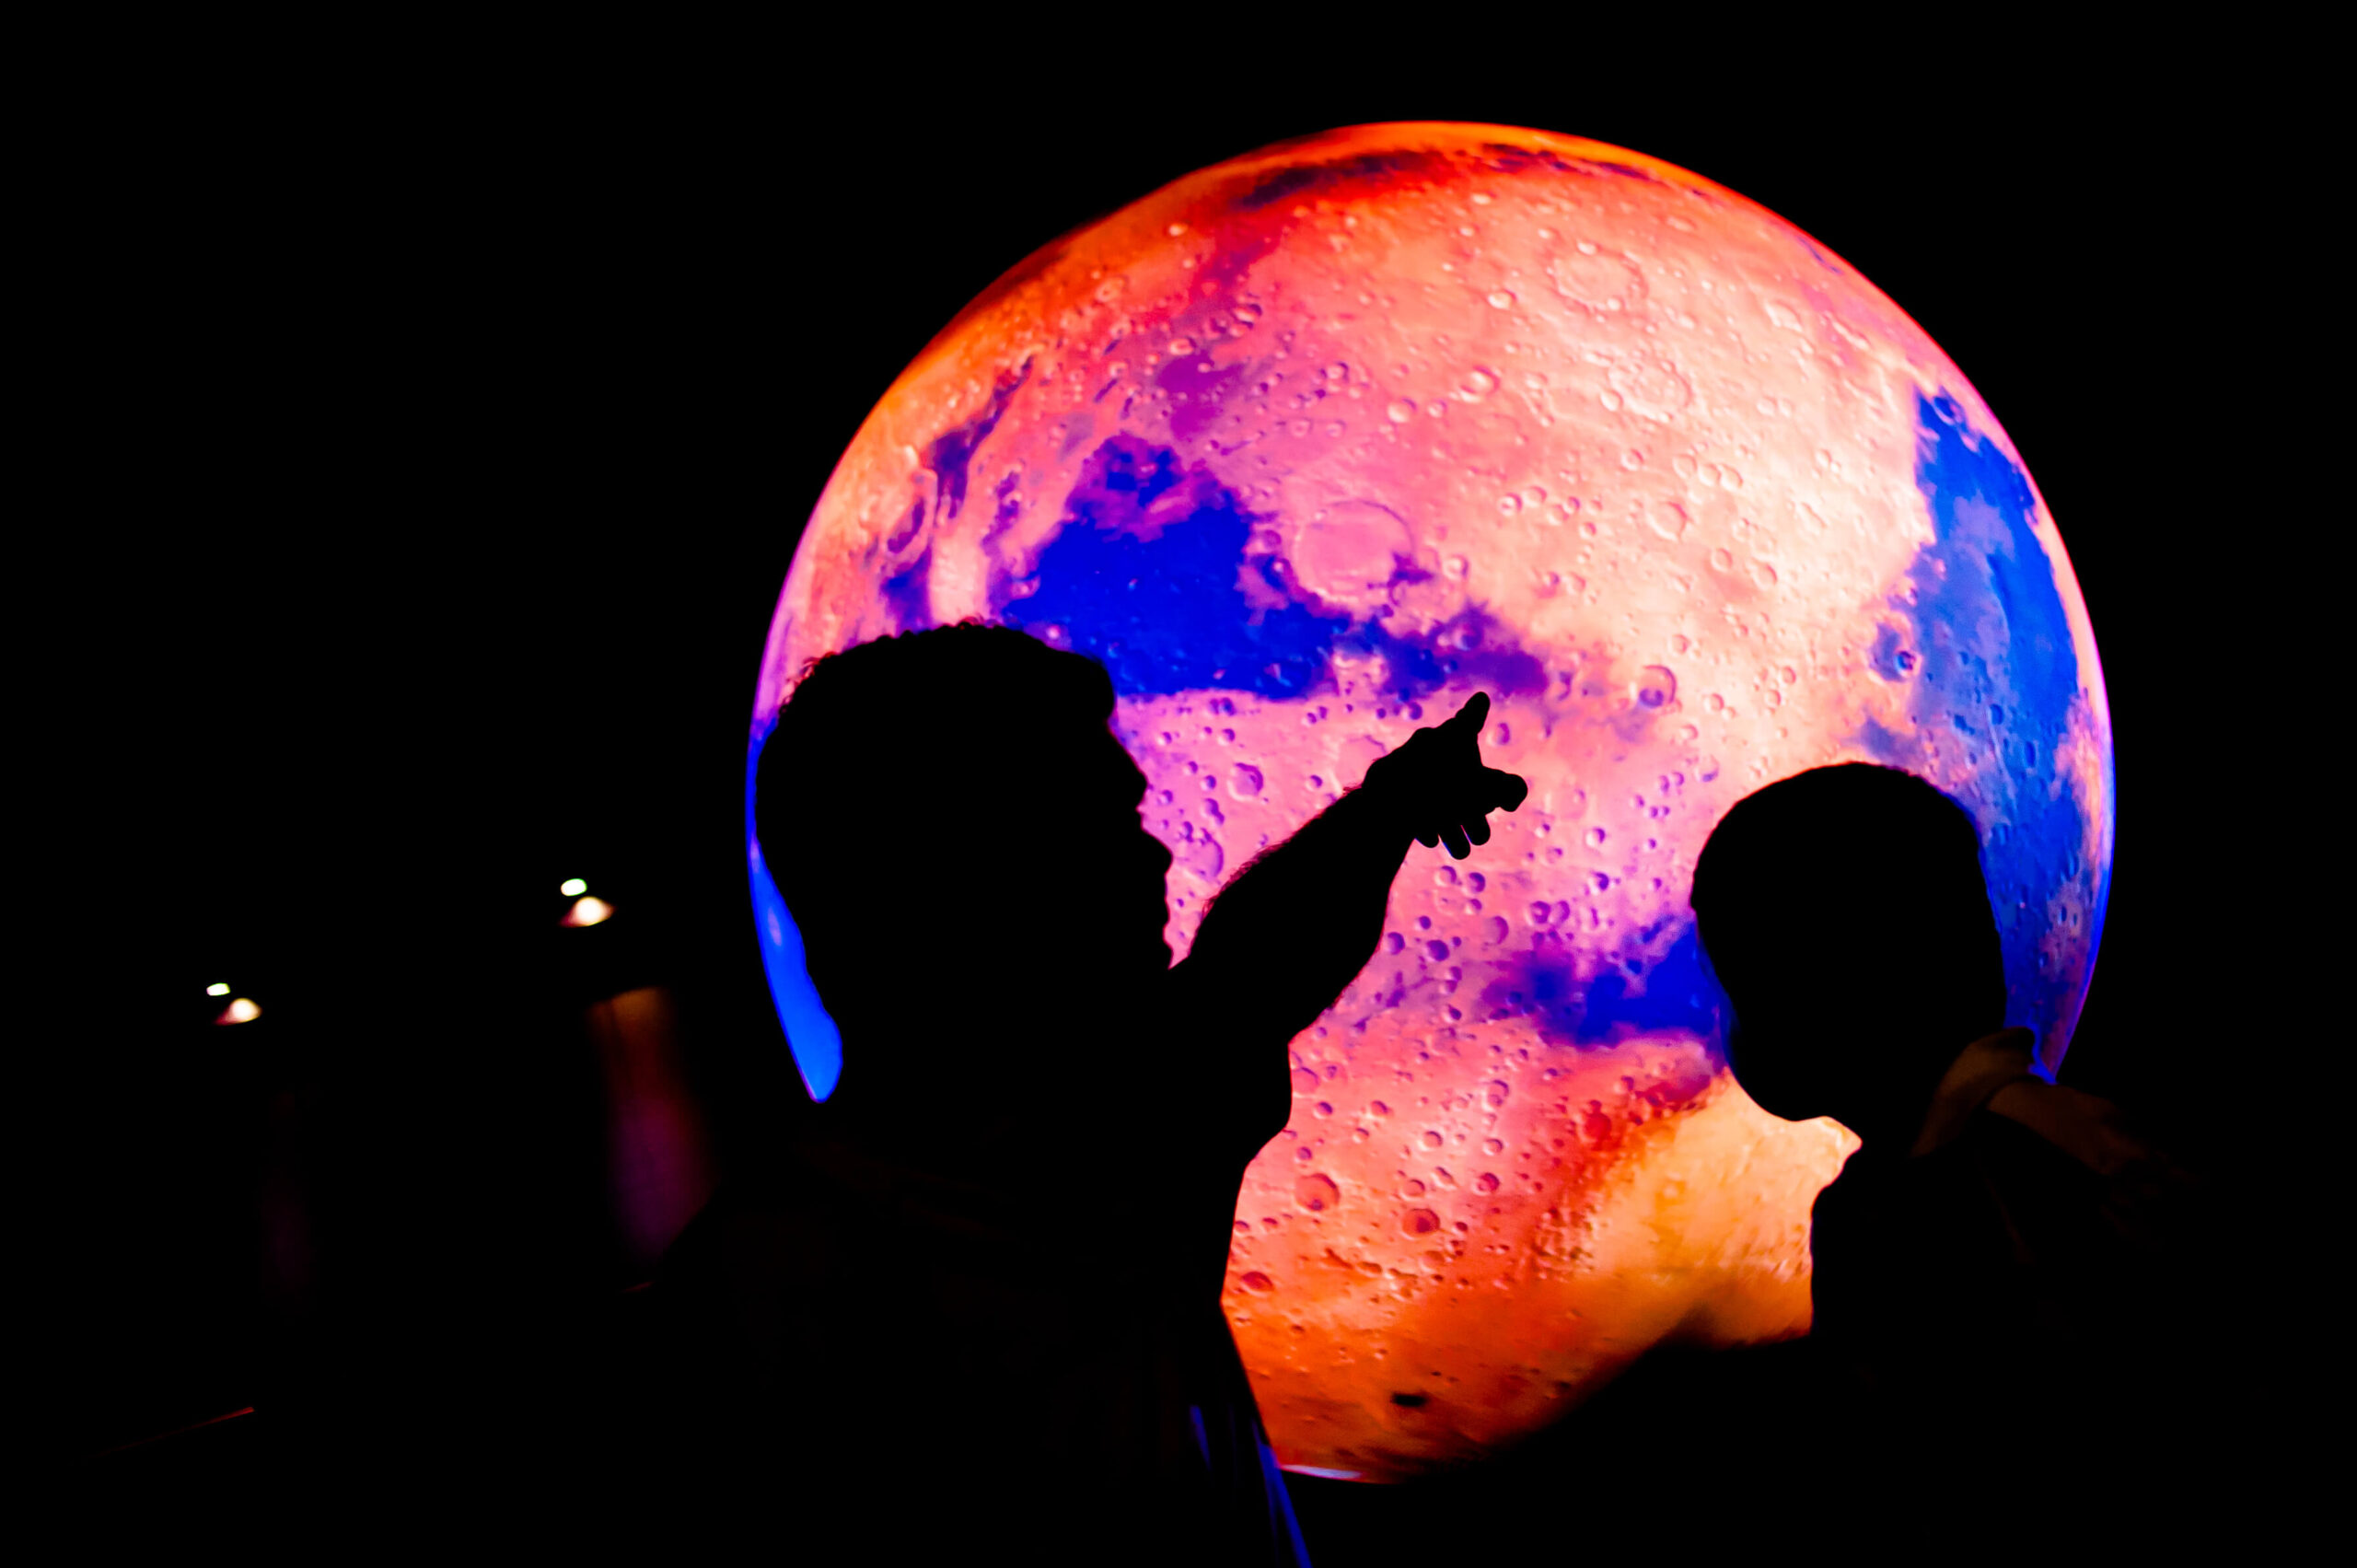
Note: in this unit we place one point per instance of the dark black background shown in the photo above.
(433, 444)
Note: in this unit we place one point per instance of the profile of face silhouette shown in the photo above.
(956, 830)
(1846, 916)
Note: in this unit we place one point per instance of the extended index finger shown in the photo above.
(1467, 719)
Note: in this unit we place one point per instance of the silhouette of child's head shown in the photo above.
(955, 828)
(1845, 914)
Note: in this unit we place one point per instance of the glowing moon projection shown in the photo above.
(1309, 446)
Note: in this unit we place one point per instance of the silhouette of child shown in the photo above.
(1990, 1258)
(988, 1292)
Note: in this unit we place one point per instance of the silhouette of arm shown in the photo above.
(1298, 923)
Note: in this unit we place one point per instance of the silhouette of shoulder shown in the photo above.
(2015, 1251)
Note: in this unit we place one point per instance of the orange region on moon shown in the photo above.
(1493, 408)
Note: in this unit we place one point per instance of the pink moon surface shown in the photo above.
(1311, 444)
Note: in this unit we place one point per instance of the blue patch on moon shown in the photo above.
(1633, 995)
(1151, 576)
(1148, 576)
(1995, 674)
(811, 1036)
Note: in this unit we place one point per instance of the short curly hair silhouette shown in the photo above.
(955, 828)
(1846, 916)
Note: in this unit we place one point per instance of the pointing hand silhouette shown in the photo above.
(1436, 787)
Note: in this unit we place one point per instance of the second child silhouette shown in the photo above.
(1999, 1263)
(980, 1307)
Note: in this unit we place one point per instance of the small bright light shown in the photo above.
(244, 1010)
(589, 911)
(574, 888)
(216, 990)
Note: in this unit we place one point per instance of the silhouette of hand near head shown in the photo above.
(1436, 787)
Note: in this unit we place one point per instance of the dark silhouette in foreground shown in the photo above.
(2000, 1286)
(988, 1289)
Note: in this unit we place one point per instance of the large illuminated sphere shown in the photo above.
(1308, 446)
